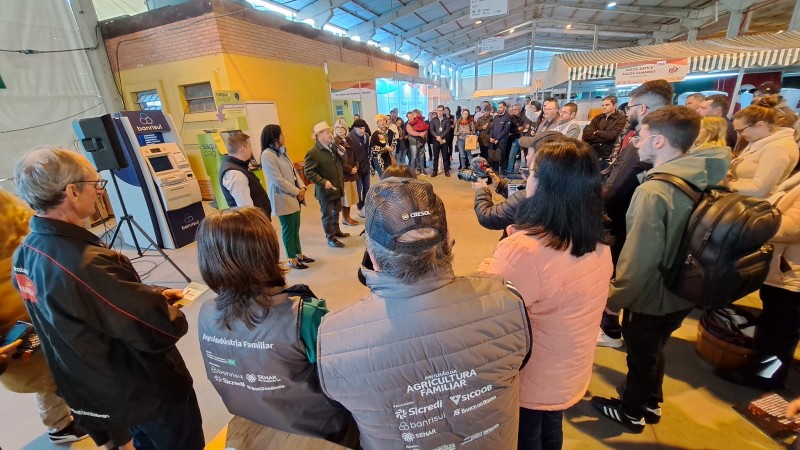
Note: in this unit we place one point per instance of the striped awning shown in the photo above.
(763, 50)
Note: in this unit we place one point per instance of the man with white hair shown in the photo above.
(109, 339)
(324, 169)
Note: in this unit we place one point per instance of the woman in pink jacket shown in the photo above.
(557, 256)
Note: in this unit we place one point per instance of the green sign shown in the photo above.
(2, 84)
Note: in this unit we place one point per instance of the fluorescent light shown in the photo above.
(612, 4)
(273, 7)
(510, 31)
(334, 30)
(569, 26)
(478, 22)
(711, 75)
(356, 38)
(433, 62)
(780, 31)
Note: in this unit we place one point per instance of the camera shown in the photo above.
(478, 168)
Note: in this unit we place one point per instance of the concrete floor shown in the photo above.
(697, 410)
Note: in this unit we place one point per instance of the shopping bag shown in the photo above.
(471, 143)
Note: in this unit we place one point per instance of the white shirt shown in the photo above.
(237, 184)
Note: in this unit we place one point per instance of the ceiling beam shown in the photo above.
(367, 29)
(521, 13)
(673, 13)
(434, 24)
(320, 11)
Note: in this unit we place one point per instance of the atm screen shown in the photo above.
(161, 163)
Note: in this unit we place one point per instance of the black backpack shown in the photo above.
(723, 254)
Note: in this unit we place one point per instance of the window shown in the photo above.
(148, 100)
(199, 97)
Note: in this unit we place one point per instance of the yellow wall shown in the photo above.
(301, 94)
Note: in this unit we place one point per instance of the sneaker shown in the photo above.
(361, 213)
(72, 433)
(604, 340)
(612, 408)
(652, 415)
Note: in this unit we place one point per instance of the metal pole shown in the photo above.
(794, 24)
(477, 62)
(569, 90)
(596, 34)
(735, 95)
(533, 47)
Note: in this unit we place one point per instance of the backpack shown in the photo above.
(723, 254)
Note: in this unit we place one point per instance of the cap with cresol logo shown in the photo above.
(396, 206)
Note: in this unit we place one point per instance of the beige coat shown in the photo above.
(764, 164)
(787, 240)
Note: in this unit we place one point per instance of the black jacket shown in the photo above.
(618, 190)
(361, 149)
(602, 132)
(497, 216)
(501, 127)
(108, 339)
(324, 164)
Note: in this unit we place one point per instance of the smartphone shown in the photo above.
(18, 331)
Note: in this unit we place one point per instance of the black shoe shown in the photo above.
(298, 266)
(612, 408)
(447, 174)
(335, 243)
(434, 174)
(340, 234)
(652, 414)
(306, 259)
(72, 433)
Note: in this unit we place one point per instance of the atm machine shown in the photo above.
(155, 181)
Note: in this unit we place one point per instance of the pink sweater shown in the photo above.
(565, 297)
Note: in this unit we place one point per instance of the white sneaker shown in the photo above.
(361, 213)
(603, 340)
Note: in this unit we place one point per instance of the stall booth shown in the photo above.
(737, 62)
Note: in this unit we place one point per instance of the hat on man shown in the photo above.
(380, 117)
(319, 128)
(767, 88)
(360, 123)
(396, 206)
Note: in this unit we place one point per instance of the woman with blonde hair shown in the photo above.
(713, 130)
(770, 156)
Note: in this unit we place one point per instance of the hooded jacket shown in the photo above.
(434, 364)
(656, 221)
(784, 271)
(764, 164)
(109, 339)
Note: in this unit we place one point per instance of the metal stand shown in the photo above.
(127, 218)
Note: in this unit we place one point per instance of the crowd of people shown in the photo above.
(428, 359)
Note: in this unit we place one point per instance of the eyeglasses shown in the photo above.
(639, 140)
(637, 104)
(739, 130)
(99, 184)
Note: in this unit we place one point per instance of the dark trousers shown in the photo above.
(778, 327)
(646, 335)
(181, 427)
(440, 149)
(330, 216)
(610, 325)
(505, 151)
(540, 430)
(484, 150)
(362, 186)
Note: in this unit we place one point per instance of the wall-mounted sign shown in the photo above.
(229, 104)
(147, 122)
(634, 73)
(493, 44)
(487, 8)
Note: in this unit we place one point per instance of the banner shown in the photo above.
(492, 44)
(487, 8)
(636, 73)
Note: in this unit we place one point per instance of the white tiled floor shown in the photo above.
(697, 410)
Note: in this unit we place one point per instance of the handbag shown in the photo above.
(471, 143)
(494, 154)
(300, 167)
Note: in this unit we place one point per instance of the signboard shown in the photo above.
(147, 122)
(229, 104)
(487, 8)
(2, 83)
(635, 73)
(492, 44)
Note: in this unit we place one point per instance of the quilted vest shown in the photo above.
(434, 365)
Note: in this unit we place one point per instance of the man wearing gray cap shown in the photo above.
(427, 359)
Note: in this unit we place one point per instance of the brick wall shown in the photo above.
(210, 34)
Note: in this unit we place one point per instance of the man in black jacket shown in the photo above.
(440, 128)
(604, 130)
(324, 169)
(498, 136)
(109, 339)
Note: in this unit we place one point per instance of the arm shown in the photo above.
(236, 183)
(770, 168)
(124, 308)
(311, 170)
(588, 131)
(310, 318)
(643, 251)
(269, 164)
(614, 130)
(496, 216)
(411, 131)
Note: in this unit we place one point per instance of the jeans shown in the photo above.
(181, 427)
(462, 152)
(440, 148)
(362, 186)
(646, 335)
(330, 210)
(290, 232)
(512, 157)
(412, 154)
(402, 153)
(376, 165)
(540, 430)
(778, 327)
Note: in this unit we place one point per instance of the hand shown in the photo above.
(354, 171)
(793, 408)
(480, 184)
(328, 185)
(301, 197)
(494, 177)
(172, 295)
(10, 349)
